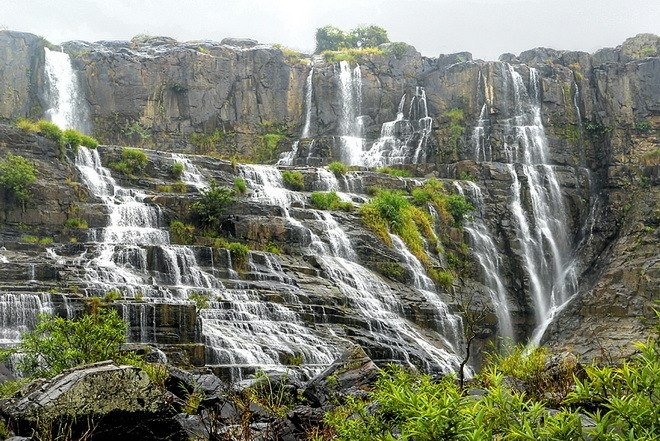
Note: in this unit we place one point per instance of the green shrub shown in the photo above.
(240, 186)
(267, 150)
(293, 180)
(50, 130)
(132, 162)
(75, 223)
(112, 296)
(394, 172)
(271, 247)
(176, 170)
(72, 138)
(46, 241)
(16, 176)
(325, 200)
(330, 38)
(182, 234)
(10, 387)
(179, 187)
(57, 343)
(239, 255)
(200, 299)
(27, 238)
(212, 205)
(338, 168)
(459, 207)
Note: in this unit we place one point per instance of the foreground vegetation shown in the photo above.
(525, 395)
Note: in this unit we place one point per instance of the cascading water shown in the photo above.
(485, 250)
(350, 126)
(190, 175)
(288, 157)
(365, 291)
(540, 227)
(68, 108)
(404, 140)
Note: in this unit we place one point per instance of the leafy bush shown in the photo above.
(240, 186)
(394, 172)
(338, 168)
(239, 255)
(132, 162)
(267, 151)
(293, 180)
(325, 200)
(350, 55)
(271, 247)
(182, 234)
(212, 204)
(200, 299)
(179, 187)
(112, 296)
(57, 343)
(16, 176)
(176, 170)
(50, 130)
(458, 207)
(75, 223)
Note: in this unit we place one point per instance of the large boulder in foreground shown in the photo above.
(102, 399)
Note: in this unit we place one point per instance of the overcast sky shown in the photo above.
(487, 28)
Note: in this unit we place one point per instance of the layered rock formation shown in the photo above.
(599, 115)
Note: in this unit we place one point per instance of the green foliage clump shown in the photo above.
(212, 205)
(351, 55)
(391, 211)
(458, 207)
(456, 125)
(268, 148)
(523, 400)
(200, 299)
(57, 344)
(64, 138)
(132, 162)
(112, 296)
(597, 132)
(338, 168)
(329, 201)
(293, 180)
(75, 223)
(291, 56)
(182, 234)
(16, 176)
(240, 186)
(271, 247)
(176, 170)
(394, 172)
(207, 143)
(239, 255)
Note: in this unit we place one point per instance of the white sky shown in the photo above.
(487, 28)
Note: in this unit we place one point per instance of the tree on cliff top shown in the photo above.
(331, 38)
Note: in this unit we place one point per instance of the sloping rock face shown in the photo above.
(104, 400)
(22, 74)
(600, 113)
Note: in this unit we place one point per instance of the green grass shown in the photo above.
(293, 180)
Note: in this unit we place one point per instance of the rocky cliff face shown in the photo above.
(597, 117)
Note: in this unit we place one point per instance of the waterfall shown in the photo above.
(486, 252)
(541, 230)
(404, 140)
(68, 108)
(350, 127)
(191, 174)
(377, 302)
(19, 313)
(287, 158)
